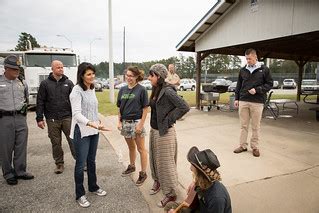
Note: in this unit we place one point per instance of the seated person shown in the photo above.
(206, 193)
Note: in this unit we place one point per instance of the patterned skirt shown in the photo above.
(163, 157)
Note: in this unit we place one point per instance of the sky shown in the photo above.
(153, 27)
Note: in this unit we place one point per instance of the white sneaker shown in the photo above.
(100, 192)
(83, 202)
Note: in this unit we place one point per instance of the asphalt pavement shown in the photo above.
(49, 192)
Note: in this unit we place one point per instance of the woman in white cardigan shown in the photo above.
(85, 131)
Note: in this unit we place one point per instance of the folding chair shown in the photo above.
(270, 107)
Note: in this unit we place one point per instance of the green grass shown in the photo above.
(107, 108)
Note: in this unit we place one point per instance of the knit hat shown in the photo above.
(12, 61)
(160, 70)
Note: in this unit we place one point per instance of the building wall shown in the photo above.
(267, 20)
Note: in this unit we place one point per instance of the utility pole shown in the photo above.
(111, 71)
(124, 49)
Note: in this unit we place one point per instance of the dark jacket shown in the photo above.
(215, 199)
(260, 79)
(169, 108)
(53, 98)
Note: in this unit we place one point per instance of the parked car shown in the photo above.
(309, 85)
(147, 84)
(232, 86)
(105, 83)
(98, 86)
(289, 84)
(119, 86)
(275, 85)
(186, 84)
(193, 82)
(222, 82)
(116, 82)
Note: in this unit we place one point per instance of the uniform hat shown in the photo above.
(12, 61)
(160, 70)
(205, 161)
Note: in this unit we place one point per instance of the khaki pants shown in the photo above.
(55, 129)
(250, 111)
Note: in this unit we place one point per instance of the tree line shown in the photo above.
(185, 65)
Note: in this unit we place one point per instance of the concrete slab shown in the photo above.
(289, 151)
(297, 192)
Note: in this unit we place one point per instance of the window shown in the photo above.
(45, 60)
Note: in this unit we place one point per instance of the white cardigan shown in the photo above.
(84, 109)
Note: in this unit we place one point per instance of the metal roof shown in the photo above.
(188, 42)
(304, 46)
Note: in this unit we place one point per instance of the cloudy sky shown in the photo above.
(153, 27)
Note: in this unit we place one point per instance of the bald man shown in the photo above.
(53, 103)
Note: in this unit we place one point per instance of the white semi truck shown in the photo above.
(36, 66)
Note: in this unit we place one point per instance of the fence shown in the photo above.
(276, 76)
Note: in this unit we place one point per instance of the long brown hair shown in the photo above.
(202, 181)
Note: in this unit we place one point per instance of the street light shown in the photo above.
(91, 48)
(66, 39)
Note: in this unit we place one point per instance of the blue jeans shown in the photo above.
(85, 149)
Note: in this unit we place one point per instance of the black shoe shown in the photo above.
(12, 181)
(26, 176)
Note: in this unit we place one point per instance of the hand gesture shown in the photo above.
(103, 128)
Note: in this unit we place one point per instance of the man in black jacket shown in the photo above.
(53, 101)
(253, 83)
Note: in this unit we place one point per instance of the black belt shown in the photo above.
(129, 121)
(10, 113)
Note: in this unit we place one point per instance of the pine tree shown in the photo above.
(23, 42)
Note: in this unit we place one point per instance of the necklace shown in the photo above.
(132, 86)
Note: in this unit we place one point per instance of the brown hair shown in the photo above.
(136, 72)
(250, 51)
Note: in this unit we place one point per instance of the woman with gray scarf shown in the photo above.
(166, 108)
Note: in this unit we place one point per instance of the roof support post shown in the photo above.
(198, 77)
(301, 63)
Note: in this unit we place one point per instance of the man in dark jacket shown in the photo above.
(53, 101)
(253, 83)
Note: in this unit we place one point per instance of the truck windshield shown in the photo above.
(44, 60)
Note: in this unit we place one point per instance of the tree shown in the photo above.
(23, 42)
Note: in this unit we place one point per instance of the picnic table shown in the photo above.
(282, 104)
(308, 93)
